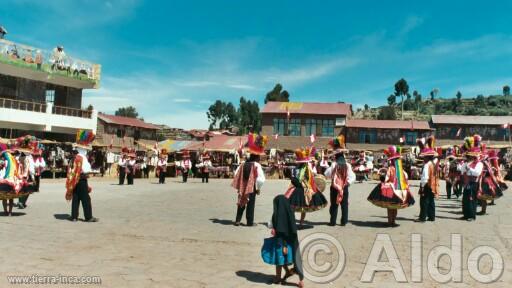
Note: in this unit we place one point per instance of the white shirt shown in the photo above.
(475, 172)
(260, 179)
(324, 164)
(162, 162)
(425, 173)
(122, 162)
(86, 166)
(351, 177)
(131, 162)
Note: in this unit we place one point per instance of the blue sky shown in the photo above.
(172, 59)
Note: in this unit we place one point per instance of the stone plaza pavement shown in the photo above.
(181, 235)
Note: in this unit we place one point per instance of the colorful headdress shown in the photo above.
(84, 137)
(125, 151)
(256, 144)
(473, 145)
(132, 153)
(25, 144)
(450, 153)
(393, 152)
(338, 144)
(427, 146)
(305, 155)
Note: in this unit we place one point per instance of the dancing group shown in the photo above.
(478, 176)
(21, 166)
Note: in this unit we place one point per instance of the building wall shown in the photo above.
(488, 132)
(30, 90)
(267, 122)
(119, 131)
(383, 136)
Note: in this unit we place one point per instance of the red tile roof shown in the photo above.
(126, 121)
(388, 124)
(471, 120)
(308, 108)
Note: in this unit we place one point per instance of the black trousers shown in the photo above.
(249, 215)
(457, 188)
(185, 175)
(449, 187)
(161, 177)
(37, 181)
(205, 176)
(23, 200)
(427, 205)
(129, 178)
(469, 200)
(80, 194)
(333, 210)
(122, 175)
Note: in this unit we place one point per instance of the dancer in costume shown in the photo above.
(342, 177)
(451, 173)
(185, 165)
(24, 146)
(471, 172)
(429, 183)
(249, 178)
(491, 187)
(205, 166)
(39, 166)
(393, 193)
(303, 193)
(161, 166)
(77, 187)
(131, 167)
(121, 166)
(12, 185)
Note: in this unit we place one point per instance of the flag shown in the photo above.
(401, 139)
(111, 142)
(505, 126)
(275, 136)
(458, 132)
(312, 138)
(287, 113)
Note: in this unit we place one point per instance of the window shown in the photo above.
(50, 96)
(294, 127)
(311, 127)
(410, 138)
(279, 126)
(340, 122)
(368, 136)
(328, 128)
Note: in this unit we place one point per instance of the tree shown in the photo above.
(387, 113)
(480, 101)
(249, 116)
(277, 94)
(129, 111)
(417, 99)
(222, 115)
(506, 90)
(391, 100)
(366, 107)
(401, 89)
(433, 93)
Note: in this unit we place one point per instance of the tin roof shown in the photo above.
(126, 121)
(308, 108)
(471, 119)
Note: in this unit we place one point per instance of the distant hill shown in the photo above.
(495, 105)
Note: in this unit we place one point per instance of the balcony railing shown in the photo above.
(42, 108)
(59, 110)
(51, 62)
(22, 105)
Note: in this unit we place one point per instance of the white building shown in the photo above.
(41, 94)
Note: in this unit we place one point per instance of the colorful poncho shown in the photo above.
(12, 173)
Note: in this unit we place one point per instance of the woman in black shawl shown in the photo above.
(284, 227)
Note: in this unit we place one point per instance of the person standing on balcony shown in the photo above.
(121, 166)
(58, 57)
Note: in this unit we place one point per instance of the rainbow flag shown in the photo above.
(401, 183)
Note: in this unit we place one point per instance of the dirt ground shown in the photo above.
(182, 235)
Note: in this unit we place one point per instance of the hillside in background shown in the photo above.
(495, 105)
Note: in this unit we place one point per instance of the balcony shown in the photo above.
(24, 115)
(23, 61)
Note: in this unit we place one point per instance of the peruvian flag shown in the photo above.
(458, 132)
(276, 136)
(312, 138)
(287, 113)
(505, 126)
(401, 139)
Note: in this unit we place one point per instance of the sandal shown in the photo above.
(289, 274)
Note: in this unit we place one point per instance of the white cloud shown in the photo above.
(410, 24)
(182, 100)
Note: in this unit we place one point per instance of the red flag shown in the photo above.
(458, 132)
(312, 138)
